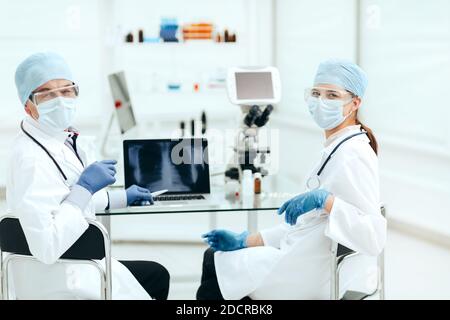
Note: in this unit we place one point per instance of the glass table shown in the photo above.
(275, 191)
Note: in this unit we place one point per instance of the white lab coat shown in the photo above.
(295, 261)
(35, 194)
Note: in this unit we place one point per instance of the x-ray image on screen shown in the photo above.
(180, 166)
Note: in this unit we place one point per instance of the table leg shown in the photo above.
(106, 221)
(252, 221)
(212, 220)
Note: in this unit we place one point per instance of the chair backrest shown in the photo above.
(89, 246)
(342, 251)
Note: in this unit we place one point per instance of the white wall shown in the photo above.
(405, 49)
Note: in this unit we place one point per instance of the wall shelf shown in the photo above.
(182, 43)
(200, 47)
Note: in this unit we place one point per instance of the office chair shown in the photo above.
(94, 244)
(340, 254)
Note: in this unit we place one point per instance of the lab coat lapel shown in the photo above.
(346, 132)
(328, 148)
(72, 160)
(72, 164)
(63, 155)
(52, 143)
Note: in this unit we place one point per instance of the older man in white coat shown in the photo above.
(53, 188)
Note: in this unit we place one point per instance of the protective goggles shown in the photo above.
(327, 93)
(71, 91)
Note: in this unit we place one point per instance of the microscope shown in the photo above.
(254, 90)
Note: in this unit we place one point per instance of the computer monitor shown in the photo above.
(178, 165)
(122, 102)
(253, 86)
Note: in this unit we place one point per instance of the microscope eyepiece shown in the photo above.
(253, 114)
(264, 117)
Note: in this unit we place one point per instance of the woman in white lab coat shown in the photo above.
(53, 191)
(341, 204)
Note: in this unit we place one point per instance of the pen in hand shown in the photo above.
(154, 194)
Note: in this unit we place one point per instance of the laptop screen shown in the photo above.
(180, 165)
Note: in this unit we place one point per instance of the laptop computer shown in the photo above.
(178, 165)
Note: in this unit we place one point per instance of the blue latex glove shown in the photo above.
(98, 175)
(224, 240)
(138, 194)
(303, 203)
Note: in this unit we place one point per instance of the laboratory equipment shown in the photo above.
(198, 31)
(257, 183)
(173, 86)
(168, 30)
(254, 89)
(225, 36)
(129, 37)
(123, 108)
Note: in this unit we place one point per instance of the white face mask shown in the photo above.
(57, 114)
(327, 113)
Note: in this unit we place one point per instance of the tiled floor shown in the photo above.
(415, 269)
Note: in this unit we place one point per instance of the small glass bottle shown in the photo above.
(257, 183)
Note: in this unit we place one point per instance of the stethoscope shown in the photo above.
(48, 153)
(313, 182)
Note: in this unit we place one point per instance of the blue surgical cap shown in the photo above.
(38, 69)
(345, 74)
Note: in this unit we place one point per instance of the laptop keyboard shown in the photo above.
(178, 197)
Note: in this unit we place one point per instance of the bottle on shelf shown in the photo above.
(129, 37)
